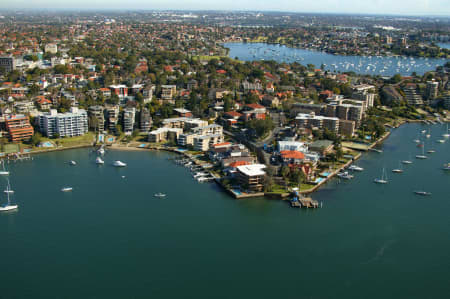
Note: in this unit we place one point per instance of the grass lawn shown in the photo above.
(306, 187)
(73, 141)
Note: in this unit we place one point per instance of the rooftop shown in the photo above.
(252, 170)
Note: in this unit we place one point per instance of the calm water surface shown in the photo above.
(110, 238)
(373, 65)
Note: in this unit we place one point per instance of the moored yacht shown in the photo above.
(423, 193)
(383, 179)
(355, 168)
(119, 164)
(446, 166)
(73, 163)
(8, 206)
(345, 175)
(66, 189)
(99, 160)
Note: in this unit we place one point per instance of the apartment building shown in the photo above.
(129, 115)
(145, 121)
(96, 118)
(18, 127)
(164, 134)
(311, 120)
(168, 92)
(69, 124)
(8, 63)
(112, 113)
(251, 176)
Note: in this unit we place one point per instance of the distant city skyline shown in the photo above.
(399, 7)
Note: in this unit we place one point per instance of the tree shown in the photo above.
(36, 139)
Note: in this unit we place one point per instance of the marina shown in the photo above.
(373, 65)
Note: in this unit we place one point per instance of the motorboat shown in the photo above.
(422, 193)
(66, 189)
(160, 195)
(355, 168)
(431, 151)
(119, 164)
(99, 160)
(101, 151)
(446, 166)
(73, 163)
(345, 175)
(407, 162)
(441, 140)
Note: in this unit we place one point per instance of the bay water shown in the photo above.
(111, 238)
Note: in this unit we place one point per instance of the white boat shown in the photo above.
(73, 163)
(399, 169)
(407, 162)
(101, 151)
(8, 206)
(422, 156)
(355, 168)
(446, 134)
(4, 171)
(99, 160)
(383, 179)
(160, 195)
(66, 189)
(345, 175)
(431, 151)
(441, 140)
(423, 193)
(424, 131)
(119, 164)
(446, 166)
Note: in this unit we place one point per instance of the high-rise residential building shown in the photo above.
(19, 127)
(112, 113)
(129, 114)
(8, 63)
(96, 118)
(69, 124)
(411, 94)
(145, 121)
(432, 89)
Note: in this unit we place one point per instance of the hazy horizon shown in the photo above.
(369, 7)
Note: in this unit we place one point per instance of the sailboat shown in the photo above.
(407, 161)
(423, 155)
(399, 169)
(446, 134)
(383, 179)
(4, 171)
(8, 206)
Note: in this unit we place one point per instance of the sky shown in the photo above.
(401, 7)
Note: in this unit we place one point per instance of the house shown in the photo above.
(254, 111)
(292, 157)
(183, 112)
(44, 104)
(270, 101)
(232, 117)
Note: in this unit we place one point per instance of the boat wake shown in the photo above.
(379, 254)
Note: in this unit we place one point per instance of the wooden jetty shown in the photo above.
(305, 202)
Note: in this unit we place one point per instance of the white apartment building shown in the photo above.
(69, 124)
